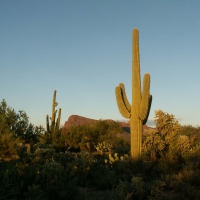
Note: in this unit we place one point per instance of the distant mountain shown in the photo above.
(75, 120)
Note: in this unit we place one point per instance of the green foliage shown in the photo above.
(8, 146)
(32, 134)
(135, 189)
(169, 168)
(101, 177)
(154, 146)
(15, 129)
(157, 190)
(183, 144)
(141, 100)
(88, 136)
(82, 165)
(161, 141)
(166, 124)
(34, 193)
(74, 136)
(57, 183)
(45, 175)
(54, 138)
(13, 122)
(43, 153)
(9, 181)
(192, 132)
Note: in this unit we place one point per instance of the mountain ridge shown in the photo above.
(75, 120)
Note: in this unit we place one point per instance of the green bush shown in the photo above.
(87, 136)
(10, 181)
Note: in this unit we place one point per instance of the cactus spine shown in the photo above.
(141, 100)
(55, 124)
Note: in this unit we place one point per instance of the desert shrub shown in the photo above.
(55, 138)
(34, 192)
(190, 192)
(155, 146)
(30, 176)
(32, 134)
(123, 190)
(161, 141)
(10, 181)
(192, 132)
(134, 189)
(75, 135)
(15, 129)
(169, 168)
(87, 136)
(156, 188)
(65, 159)
(123, 148)
(186, 182)
(138, 189)
(12, 121)
(101, 176)
(43, 153)
(52, 175)
(166, 124)
(8, 146)
(183, 145)
(82, 165)
(106, 179)
(58, 183)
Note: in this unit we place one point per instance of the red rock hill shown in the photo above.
(79, 120)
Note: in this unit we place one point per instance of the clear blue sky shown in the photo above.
(83, 50)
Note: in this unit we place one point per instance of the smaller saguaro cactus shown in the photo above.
(55, 124)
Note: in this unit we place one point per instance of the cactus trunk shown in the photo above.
(136, 137)
(58, 119)
(55, 124)
(47, 121)
(54, 104)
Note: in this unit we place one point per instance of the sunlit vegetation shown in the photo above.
(93, 161)
(138, 112)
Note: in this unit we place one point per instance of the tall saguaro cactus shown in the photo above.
(141, 100)
(55, 124)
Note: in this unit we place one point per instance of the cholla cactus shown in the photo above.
(183, 144)
(104, 147)
(161, 141)
(166, 124)
(141, 100)
(154, 146)
(115, 158)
